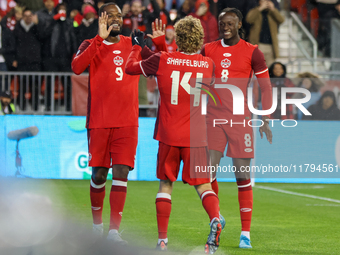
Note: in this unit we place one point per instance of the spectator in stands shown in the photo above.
(208, 21)
(170, 39)
(325, 109)
(278, 79)
(7, 51)
(164, 14)
(168, 4)
(59, 42)
(265, 20)
(6, 6)
(311, 82)
(7, 46)
(6, 105)
(12, 17)
(89, 27)
(27, 36)
(187, 7)
(45, 14)
(59, 47)
(139, 17)
(327, 11)
(33, 5)
(244, 6)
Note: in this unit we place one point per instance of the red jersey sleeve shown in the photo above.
(146, 52)
(146, 67)
(87, 50)
(261, 71)
(160, 44)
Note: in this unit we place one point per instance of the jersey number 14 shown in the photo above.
(175, 75)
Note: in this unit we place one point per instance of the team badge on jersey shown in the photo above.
(118, 61)
(225, 63)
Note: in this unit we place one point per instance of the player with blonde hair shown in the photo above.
(180, 127)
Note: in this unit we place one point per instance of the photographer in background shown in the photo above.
(6, 105)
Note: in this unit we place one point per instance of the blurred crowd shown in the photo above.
(322, 105)
(44, 35)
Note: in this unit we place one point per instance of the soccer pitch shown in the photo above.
(287, 218)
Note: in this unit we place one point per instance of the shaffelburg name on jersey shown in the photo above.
(187, 62)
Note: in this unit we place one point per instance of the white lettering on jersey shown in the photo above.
(187, 62)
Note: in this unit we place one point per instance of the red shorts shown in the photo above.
(112, 146)
(240, 140)
(195, 161)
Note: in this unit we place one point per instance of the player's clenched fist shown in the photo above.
(103, 29)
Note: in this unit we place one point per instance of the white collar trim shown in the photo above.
(107, 43)
(223, 44)
(110, 43)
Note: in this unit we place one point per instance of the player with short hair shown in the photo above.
(236, 61)
(112, 115)
(180, 127)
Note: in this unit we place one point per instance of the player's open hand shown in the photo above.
(137, 38)
(266, 129)
(103, 30)
(158, 29)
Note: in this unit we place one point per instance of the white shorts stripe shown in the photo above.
(97, 186)
(119, 183)
(262, 71)
(163, 195)
(206, 193)
(243, 186)
(140, 64)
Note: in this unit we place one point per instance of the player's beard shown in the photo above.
(115, 33)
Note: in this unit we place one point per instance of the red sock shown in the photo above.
(97, 194)
(163, 209)
(117, 201)
(211, 204)
(245, 199)
(214, 186)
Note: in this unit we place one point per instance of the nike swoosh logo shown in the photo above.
(136, 39)
(95, 208)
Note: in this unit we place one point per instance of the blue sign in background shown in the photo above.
(60, 150)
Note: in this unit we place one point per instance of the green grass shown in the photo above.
(282, 223)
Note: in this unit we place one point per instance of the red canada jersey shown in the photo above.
(113, 94)
(235, 65)
(179, 120)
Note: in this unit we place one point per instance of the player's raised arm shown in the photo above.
(87, 50)
(134, 64)
(158, 35)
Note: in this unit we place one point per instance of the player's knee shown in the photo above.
(120, 171)
(165, 186)
(203, 187)
(99, 178)
(99, 175)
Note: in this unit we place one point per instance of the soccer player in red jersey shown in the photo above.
(180, 126)
(236, 61)
(112, 115)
